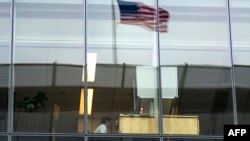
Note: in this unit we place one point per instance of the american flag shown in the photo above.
(137, 13)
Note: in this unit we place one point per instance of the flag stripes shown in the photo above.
(136, 13)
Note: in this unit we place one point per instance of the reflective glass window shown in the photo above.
(3, 138)
(195, 68)
(122, 139)
(124, 87)
(241, 55)
(49, 60)
(46, 138)
(5, 34)
(180, 139)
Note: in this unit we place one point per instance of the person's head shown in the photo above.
(106, 120)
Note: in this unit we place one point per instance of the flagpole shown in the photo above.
(114, 44)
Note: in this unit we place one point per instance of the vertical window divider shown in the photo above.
(85, 73)
(229, 21)
(11, 72)
(160, 123)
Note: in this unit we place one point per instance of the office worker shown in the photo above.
(104, 126)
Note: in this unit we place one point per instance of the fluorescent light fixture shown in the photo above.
(91, 67)
(90, 100)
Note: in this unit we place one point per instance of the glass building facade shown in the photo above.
(66, 64)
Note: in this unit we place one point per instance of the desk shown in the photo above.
(181, 124)
(137, 124)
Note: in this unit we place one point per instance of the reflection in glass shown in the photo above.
(125, 85)
(5, 34)
(241, 55)
(192, 140)
(49, 60)
(193, 105)
(242, 77)
(3, 96)
(44, 138)
(3, 138)
(195, 68)
(5, 6)
(122, 139)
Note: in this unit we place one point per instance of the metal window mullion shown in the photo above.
(235, 116)
(85, 73)
(11, 72)
(159, 74)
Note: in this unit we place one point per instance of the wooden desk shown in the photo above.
(137, 124)
(181, 124)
